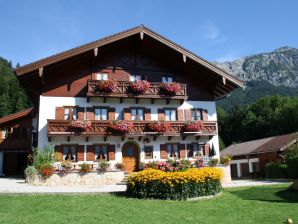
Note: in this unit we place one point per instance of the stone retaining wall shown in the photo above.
(75, 178)
(226, 174)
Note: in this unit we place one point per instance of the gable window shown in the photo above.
(148, 152)
(170, 114)
(135, 78)
(101, 152)
(196, 114)
(70, 113)
(101, 114)
(101, 76)
(167, 79)
(137, 114)
(172, 151)
(69, 152)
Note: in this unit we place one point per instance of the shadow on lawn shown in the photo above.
(270, 194)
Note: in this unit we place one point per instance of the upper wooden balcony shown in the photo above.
(122, 91)
(101, 128)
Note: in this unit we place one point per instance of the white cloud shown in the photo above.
(212, 33)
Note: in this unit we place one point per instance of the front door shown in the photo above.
(130, 157)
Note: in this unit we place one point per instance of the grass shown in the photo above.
(266, 204)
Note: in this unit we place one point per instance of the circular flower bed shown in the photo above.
(152, 183)
(170, 88)
(159, 126)
(139, 87)
(121, 127)
(106, 86)
(194, 126)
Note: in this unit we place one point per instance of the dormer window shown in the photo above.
(134, 78)
(167, 79)
(101, 76)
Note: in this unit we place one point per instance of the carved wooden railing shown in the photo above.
(63, 127)
(122, 91)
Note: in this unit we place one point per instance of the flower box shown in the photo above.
(159, 126)
(139, 87)
(194, 126)
(170, 88)
(121, 127)
(81, 125)
(106, 86)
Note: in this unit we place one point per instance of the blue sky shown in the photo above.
(216, 30)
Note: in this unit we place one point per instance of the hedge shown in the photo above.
(194, 182)
(276, 170)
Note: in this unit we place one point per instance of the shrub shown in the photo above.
(213, 162)
(43, 157)
(30, 172)
(65, 168)
(103, 165)
(119, 166)
(225, 160)
(194, 182)
(151, 164)
(291, 156)
(47, 170)
(85, 168)
(275, 170)
(198, 163)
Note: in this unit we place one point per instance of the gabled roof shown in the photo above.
(15, 116)
(271, 144)
(109, 39)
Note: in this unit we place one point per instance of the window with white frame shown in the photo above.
(101, 76)
(172, 149)
(170, 114)
(101, 114)
(167, 79)
(69, 152)
(70, 113)
(148, 152)
(197, 149)
(137, 114)
(135, 77)
(101, 152)
(196, 114)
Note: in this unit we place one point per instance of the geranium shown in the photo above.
(121, 126)
(106, 86)
(139, 86)
(159, 126)
(81, 125)
(47, 170)
(170, 88)
(194, 126)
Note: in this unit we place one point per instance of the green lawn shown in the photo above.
(270, 204)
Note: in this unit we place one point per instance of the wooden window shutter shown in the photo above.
(81, 111)
(127, 114)
(59, 113)
(90, 113)
(161, 114)
(90, 153)
(182, 151)
(187, 113)
(58, 153)
(111, 113)
(205, 115)
(206, 149)
(180, 114)
(111, 152)
(189, 150)
(80, 153)
(163, 151)
(147, 112)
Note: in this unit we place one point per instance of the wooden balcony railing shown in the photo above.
(63, 127)
(122, 91)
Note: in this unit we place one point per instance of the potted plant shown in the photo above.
(225, 160)
(193, 126)
(170, 88)
(119, 166)
(65, 168)
(121, 127)
(159, 126)
(85, 168)
(47, 170)
(103, 165)
(213, 162)
(106, 86)
(139, 87)
(80, 125)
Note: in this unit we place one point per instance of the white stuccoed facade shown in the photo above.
(47, 108)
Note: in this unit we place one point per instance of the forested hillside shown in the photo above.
(12, 96)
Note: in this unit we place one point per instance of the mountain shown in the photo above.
(279, 67)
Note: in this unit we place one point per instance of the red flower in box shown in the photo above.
(47, 170)
(170, 88)
(159, 126)
(194, 126)
(139, 86)
(121, 127)
(81, 125)
(106, 86)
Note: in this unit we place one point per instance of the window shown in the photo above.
(101, 114)
(196, 149)
(137, 114)
(170, 114)
(101, 152)
(196, 114)
(135, 78)
(148, 152)
(69, 152)
(172, 151)
(255, 167)
(101, 76)
(167, 79)
(70, 112)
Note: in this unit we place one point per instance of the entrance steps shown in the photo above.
(125, 179)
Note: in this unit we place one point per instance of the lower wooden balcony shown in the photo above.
(140, 128)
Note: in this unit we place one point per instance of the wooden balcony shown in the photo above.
(122, 91)
(100, 128)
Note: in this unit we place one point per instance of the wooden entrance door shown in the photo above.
(130, 157)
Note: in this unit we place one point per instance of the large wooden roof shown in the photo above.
(15, 116)
(143, 31)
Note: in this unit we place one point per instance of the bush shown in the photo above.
(291, 156)
(30, 172)
(213, 162)
(46, 170)
(103, 165)
(43, 157)
(151, 164)
(170, 165)
(225, 160)
(152, 183)
(276, 170)
(198, 163)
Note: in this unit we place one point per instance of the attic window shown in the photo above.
(135, 78)
(167, 79)
(101, 76)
